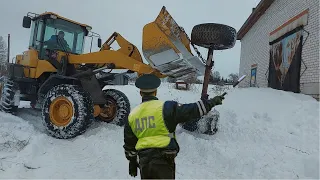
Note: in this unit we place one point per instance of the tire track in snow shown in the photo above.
(32, 116)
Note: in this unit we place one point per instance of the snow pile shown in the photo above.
(263, 133)
(15, 135)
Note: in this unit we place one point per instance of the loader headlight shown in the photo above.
(88, 28)
(53, 16)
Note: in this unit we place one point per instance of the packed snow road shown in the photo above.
(263, 133)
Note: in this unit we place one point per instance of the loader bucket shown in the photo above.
(166, 47)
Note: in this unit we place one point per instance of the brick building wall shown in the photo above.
(255, 44)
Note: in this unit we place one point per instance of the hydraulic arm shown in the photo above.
(126, 57)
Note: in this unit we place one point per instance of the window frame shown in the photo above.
(37, 31)
(73, 46)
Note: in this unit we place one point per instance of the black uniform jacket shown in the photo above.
(173, 114)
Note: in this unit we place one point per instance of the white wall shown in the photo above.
(255, 44)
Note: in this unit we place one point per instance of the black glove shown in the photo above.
(217, 100)
(133, 166)
(131, 155)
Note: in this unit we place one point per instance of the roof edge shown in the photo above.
(254, 17)
(64, 18)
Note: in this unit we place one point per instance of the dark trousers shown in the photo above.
(155, 165)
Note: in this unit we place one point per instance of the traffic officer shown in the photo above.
(149, 132)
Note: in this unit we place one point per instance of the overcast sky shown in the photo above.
(128, 18)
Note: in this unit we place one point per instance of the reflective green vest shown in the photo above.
(147, 123)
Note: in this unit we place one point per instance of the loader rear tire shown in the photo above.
(67, 111)
(212, 35)
(7, 91)
(117, 109)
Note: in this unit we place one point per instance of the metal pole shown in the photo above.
(207, 73)
(8, 55)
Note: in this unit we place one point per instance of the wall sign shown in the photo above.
(285, 53)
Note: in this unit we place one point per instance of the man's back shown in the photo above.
(146, 122)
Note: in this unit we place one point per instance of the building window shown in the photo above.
(253, 80)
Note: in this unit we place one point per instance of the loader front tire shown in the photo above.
(117, 109)
(67, 111)
(212, 35)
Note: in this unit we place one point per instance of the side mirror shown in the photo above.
(99, 42)
(26, 22)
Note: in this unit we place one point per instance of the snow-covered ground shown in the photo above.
(263, 133)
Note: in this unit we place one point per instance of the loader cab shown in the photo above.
(53, 32)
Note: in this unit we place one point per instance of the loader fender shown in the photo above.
(55, 80)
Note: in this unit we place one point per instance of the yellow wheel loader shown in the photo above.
(70, 86)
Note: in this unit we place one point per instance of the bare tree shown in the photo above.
(171, 80)
(233, 77)
(216, 76)
(3, 50)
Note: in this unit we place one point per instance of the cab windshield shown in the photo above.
(64, 36)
